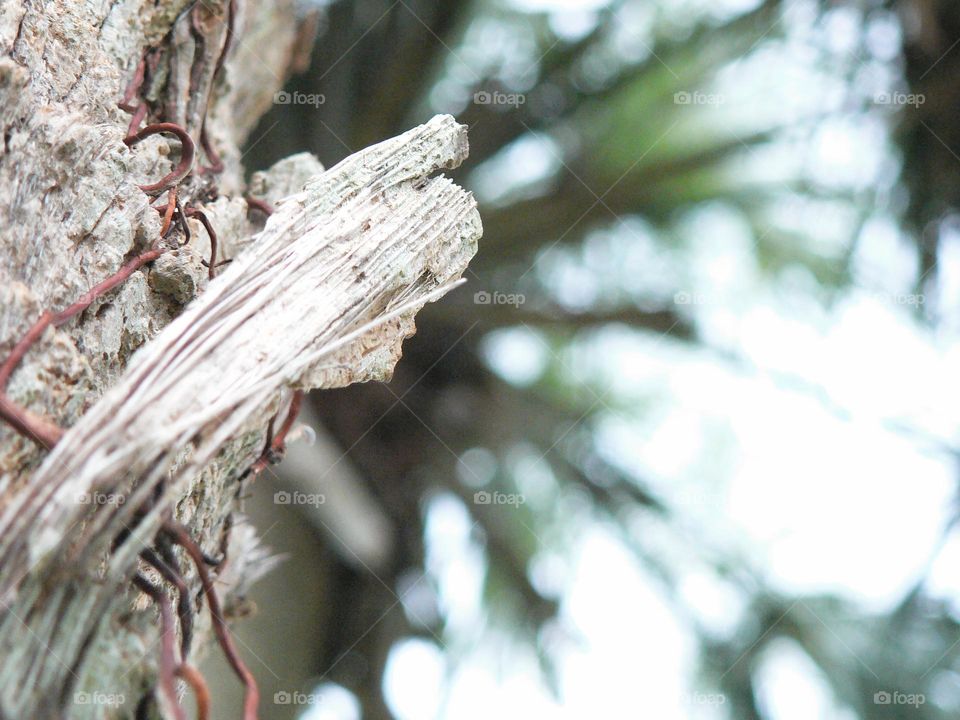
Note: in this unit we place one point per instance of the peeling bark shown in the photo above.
(168, 382)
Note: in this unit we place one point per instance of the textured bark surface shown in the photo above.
(166, 407)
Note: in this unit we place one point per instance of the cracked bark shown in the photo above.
(167, 383)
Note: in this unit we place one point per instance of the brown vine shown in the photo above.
(47, 433)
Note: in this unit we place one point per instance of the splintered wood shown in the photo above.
(323, 297)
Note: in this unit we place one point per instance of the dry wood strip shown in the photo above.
(323, 297)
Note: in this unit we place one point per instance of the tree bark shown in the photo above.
(168, 382)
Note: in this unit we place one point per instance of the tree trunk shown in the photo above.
(167, 377)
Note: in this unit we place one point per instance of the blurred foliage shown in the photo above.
(607, 149)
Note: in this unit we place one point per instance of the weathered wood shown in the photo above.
(167, 407)
(322, 298)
